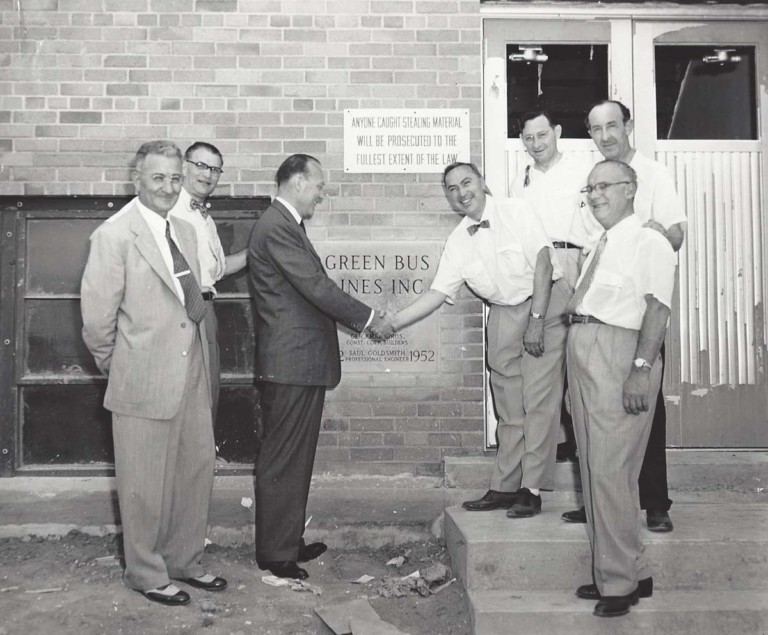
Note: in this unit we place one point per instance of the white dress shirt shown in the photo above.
(210, 253)
(497, 262)
(656, 197)
(157, 225)
(556, 197)
(635, 261)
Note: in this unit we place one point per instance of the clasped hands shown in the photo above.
(382, 326)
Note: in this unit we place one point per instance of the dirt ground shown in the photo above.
(59, 586)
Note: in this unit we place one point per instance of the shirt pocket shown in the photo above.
(478, 279)
(606, 288)
(512, 262)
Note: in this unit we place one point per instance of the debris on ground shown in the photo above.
(51, 590)
(428, 581)
(396, 562)
(355, 618)
(363, 579)
(294, 585)
(107, 561)
(246, 502)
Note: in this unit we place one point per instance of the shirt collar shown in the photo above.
(624, 225)
(154, 220)
(490, 206)
(290, 208)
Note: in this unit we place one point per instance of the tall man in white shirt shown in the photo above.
(552, 185)
(657, 205)
(619, 315)
(501, 251)
(202, 170)
(143, 321)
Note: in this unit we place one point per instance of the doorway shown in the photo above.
(700, 110)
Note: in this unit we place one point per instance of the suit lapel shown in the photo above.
(288, 217)
(147, 246)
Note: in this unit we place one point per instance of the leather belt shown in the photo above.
(575, 318)
(208, 296)
(560, 244)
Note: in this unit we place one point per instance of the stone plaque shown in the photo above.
(386, 276)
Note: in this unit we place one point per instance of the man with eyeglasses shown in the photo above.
(618, 316)
(551, 185)
(658, 206)
(143, 322)
(202, 170)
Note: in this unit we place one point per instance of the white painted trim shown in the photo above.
(650, 11)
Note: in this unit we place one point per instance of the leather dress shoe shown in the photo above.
(491, 500)
(615, 605)
(311, 551)
(526, 505)
(285, 569)
(590, 592)
(180, 598)
(658, 521)
(217, 584)
(576, 516)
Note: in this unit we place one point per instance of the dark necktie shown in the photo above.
(303, 226)
(583, 287)
(483, 224)
(196, 205)
(193, 298)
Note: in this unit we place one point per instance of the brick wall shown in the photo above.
(83, 82)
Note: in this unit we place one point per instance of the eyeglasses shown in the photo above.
(204, 166)
(601, 187)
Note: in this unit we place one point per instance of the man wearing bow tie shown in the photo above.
(202, 170)
(501, 251)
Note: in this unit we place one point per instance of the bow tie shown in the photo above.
(195, 205)
(483, 224)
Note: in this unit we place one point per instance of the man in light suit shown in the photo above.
(296, 309)
(143, 322)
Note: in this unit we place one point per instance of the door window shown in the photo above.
(563, 79)
(706, 92)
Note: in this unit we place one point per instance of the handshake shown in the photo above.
(382, 326)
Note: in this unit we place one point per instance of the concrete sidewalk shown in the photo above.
(347, 511)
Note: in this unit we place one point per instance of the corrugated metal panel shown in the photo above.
(721, 265)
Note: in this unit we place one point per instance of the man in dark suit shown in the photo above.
(296, 309)
(143, 322)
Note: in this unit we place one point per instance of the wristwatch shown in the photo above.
(537, 316)
(640, 363)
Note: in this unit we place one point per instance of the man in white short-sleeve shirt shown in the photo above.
(658, 206)
(501, 251)
(552, 185)
(619, 314)
(202, 170)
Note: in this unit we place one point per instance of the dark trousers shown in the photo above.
(654, 493)
(291, 418)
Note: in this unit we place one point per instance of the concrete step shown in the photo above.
(693, 476)
(669, 612)
(716, 546)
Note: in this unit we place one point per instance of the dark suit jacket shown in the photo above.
(296, 305)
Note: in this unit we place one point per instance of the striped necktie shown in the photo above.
(193, 297)
(583, 287)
